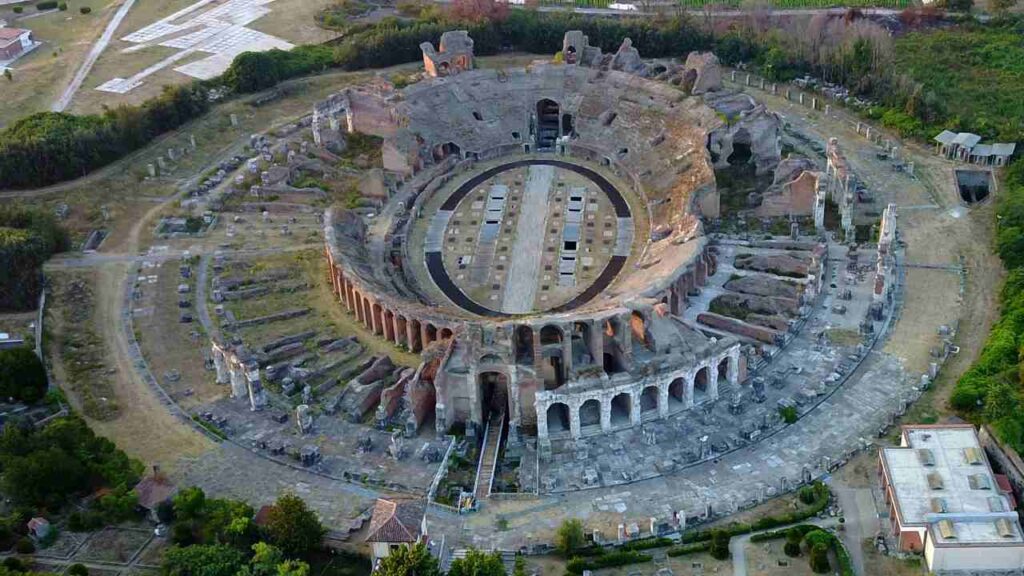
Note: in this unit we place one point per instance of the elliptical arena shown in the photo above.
(555, 243)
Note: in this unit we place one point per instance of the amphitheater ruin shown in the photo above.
(572, 250)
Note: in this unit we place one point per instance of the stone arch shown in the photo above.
(638, 328)
(523, 344)
(367, 314)
(582, 344)
(701, 383)
(741, 151)
(590, 413)
(550, 334)
(429, 334)
(548, 125)
(611, 360)
(677, 394)
(446, 333)
(491, 359)
(722, 371)
(622, 410)
(494, 393)
(558, 418)
(649, 400)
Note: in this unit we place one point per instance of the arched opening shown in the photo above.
(446, 333)
(550, 334)
(590, 413)
(367, 314)
(638, 327)
(581, 345)
(567, 126)
(523, 337)
(723, 371)
(649, 400)
(622, 405)
(490, 359)
(547, 124)
(612, 361)
(431, 334)
(447, 149)
(677, 395)
(700, 384)
(558, 418)
(493, 394)
(741, 150)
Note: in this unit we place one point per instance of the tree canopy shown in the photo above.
(477, 563)
(22, 375)
(293, 527)
(409, 561)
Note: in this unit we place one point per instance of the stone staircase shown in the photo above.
(488, 456)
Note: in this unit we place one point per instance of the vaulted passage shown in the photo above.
(547, 124)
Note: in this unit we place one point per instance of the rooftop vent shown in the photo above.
(938, 505)
(979, 482)
(1005, 528)
(926, 457)
(946, 529)
(935, 481)
(973, 456)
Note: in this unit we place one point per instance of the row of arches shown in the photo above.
(588, 416)
(394, 327)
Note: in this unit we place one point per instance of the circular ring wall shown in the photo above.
(516, 233)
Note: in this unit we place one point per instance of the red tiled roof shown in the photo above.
(153, 490)
(11, 33)
(396, 521)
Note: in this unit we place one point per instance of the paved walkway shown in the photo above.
(90, 60)
(521, 284)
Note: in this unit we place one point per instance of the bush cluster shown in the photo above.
(27, 238)
(609, 560)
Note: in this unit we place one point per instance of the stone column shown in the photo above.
(567, 352)
(663, 399)
(542, 420)
(424, 336)
(634, 407)
(734, 366)
(597, 342)
(690, 377)
(410, 333)
(397, 331)
(538, 357)
(257, 395)
(218, 363)
(713, 382)
(237, 382)
(574, 420)
(606, 414)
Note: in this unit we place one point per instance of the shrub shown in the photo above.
(720, 544)
(569, 537)
(791, 549)
(14, 564)
(24, 546)
(78, 570)
(22, 375)
(789, 414)
(806, 495)
(63, 7)
(819, 558)
(46, 5)
(85, 10)
(610, 560)
(19, 9)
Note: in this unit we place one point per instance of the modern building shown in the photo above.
(14, 43)
(395, 523)
(945, 501)
(967, 147)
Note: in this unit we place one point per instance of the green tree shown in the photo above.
(78, 570)
(719, 544)
(293, 568)
(569, 537)
(1001, 7)
(190, 504)
(819, 558)
(1002, 401)
(477, 563)
(202, 560)
(293, 527)
(792, 546)
(406, 561)
(22, 375)
(8, 75)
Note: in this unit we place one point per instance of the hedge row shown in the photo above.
(821, 497)
(687, 549)
(647, 544)
(610, 560)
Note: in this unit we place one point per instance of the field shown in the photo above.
(38, 78)
(974, 72)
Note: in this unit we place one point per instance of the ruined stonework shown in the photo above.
(453, 55)
(235, 365)
(619, 359)
(749, 124)
(885, 264)
(701, 73)
(842, 186)
(576, 49)
(793, 192)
